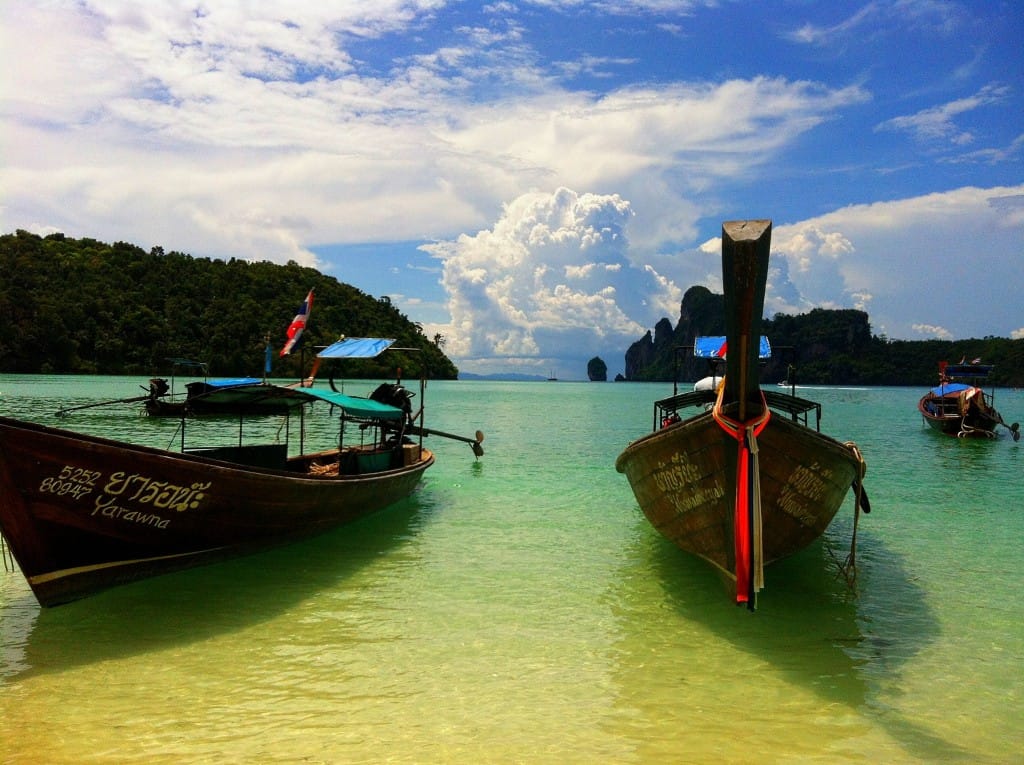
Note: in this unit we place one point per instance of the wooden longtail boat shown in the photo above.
(161, 399)
(198, 398)
(229, 395)
(744, 481)
(958, 406)
(82, 514)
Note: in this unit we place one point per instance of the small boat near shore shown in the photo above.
(959, 406)
(82, 514)
(732, 473)
(197, 401)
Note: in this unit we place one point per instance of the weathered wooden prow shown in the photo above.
(745, 248)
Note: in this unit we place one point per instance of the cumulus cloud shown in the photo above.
(940, 333)
(550, 279)
(276, 131)
(916, 265)
(261, 134)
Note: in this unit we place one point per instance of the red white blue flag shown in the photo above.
(298, 324)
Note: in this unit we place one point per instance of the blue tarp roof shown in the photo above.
(232, 382)
(713, 347)
(950, 388)
(356, 348)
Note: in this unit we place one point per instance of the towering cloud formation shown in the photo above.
(550, 279)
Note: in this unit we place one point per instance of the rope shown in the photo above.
(7, 555)
(747, 519)
(849, 568)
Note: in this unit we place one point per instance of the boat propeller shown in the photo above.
(475, 443)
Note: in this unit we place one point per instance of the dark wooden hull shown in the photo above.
(684, 480)
(82, 514)
(204, 400)
(158, 407)
(942, 413)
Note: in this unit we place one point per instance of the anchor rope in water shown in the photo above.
(849, 568)
(7, 555)
(747, 520)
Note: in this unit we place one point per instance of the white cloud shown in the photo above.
(940, 333)
(550, 279)
(267, 130)
(880, 18)
(260, 135)
(939, 122)
(924, 263)
(914, 265)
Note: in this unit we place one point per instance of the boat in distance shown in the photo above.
(959, 406)
(232, 396)
(197, 399)
(736, 475)
(82, 513)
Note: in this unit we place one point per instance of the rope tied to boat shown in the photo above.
(6, 555)
(860, 501)
(747, 518)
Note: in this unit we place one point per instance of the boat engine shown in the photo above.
(394, 395)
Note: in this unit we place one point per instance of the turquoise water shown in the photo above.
(519, 609)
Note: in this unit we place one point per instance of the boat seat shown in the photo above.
(272, 456)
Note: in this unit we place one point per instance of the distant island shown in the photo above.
(80, 306)
(823, 347)
(503, 377)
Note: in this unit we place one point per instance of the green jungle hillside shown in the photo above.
(827, 347)
(79, 306)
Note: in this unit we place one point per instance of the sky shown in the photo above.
(539, 181)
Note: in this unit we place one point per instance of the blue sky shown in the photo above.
(540, 181)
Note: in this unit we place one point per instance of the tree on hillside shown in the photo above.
(81, 306)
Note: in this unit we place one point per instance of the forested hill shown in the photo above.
(72, 306)
(832, 347)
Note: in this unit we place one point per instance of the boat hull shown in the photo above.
(82, 514)
(943, 413)
(684, 479)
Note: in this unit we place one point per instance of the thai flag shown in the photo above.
(298, 324)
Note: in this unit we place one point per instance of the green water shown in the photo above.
(520, 609)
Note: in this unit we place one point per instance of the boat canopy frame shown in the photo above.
(286, 401)
(797, 408)
(713, 348)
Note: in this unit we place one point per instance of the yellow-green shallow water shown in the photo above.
(520, 609)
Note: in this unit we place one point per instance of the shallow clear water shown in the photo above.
(520, 609)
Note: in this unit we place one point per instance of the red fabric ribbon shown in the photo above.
(745, 434)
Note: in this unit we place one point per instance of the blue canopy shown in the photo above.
(356, 348)
(713, 347)
(230, 382)
(949, 389)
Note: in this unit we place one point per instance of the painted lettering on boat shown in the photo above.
(677, 479)
(805, 488)
(160, 494)
(127, 497)
(135, 490)
(71, 482)
(105, 506)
